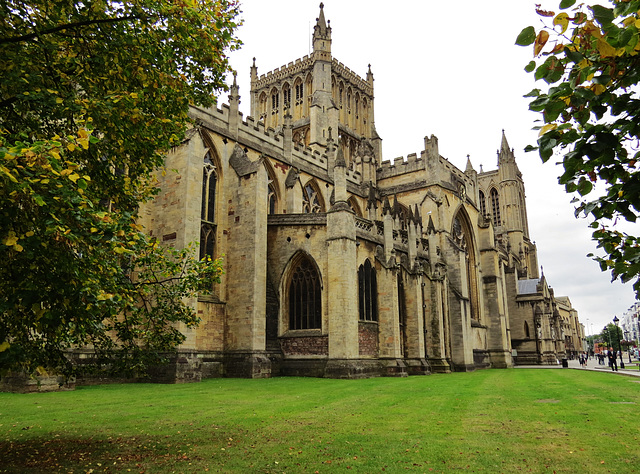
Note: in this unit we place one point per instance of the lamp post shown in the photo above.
(615, 321)
(626, 338)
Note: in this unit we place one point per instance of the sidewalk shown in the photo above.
(592, 365)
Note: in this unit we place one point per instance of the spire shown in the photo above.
(234, 87)
(254, 71)
(320, 21)
(370, 76)
(322, 33)
(386, 207)
(504, 146)
(469, 165)
(340, 161)
(505, 153)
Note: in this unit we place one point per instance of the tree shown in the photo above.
(589, 58)
(92, 96)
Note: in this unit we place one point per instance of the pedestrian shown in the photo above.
(612, 360)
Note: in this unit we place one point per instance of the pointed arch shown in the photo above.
(527, 334)
(211, 174)
(286, 97)
(367, 292)
(302, 285)
(312, 201)
(355, 207)
(298, 104)
(273, 188)
(463, 236)
(482, 204)
(262, 107)
(308, 84)
(274, 107)
(495, 207)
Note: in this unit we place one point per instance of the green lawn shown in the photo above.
(487, 421)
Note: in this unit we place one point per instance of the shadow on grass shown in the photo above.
(93, 454)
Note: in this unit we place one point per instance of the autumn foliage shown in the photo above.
(92, 96)
(589, 58)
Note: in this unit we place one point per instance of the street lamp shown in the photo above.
(626, 338)
(615, 321)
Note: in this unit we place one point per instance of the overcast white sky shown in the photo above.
(452, 70)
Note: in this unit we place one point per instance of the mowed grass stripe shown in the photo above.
(485, 421)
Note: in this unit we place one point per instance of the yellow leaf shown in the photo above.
(55, 154)
(74, 177)
(84, 143)
(562, 20)
(94, 230)
(605, 49)
(119, 250)
(4, 346)
(597, 89)
(547, 128)
(10, 240)
(71, 147)
(59, 100)
(541, 40)
(18, 248)
(133, 95)
(30, 233)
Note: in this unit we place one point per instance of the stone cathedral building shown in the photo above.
(338, 263)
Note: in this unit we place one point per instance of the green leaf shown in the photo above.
(603, 15)
(530, 67)
(526, 36)
(564, 4)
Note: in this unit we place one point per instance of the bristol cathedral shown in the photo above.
(339, 263)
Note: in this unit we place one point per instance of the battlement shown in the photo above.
(282, 72)
(401, 165)
(338, 68)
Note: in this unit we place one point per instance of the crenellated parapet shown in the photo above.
(340, 69)
(401, 165)
(299, 66)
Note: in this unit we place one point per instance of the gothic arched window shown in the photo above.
(495, 207)
(271, 199)
(367, 292)
(310, 200)
(305, 297)
(526, 330)
(286, 96)
(482, 204)
(208, 207)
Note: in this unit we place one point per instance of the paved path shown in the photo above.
(592, 365)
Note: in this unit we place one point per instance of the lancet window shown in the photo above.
(299, 93)
(495, 207)
(367, 292)
(208, 208)
(286, 96)
(482, 204)
(305, 297)
(271, 199)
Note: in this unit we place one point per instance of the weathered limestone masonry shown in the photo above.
(340, 264)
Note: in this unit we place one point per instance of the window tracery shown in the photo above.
(310, 200)
(495, 207)
(367, 292)
(305, 297)
(208, 205)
